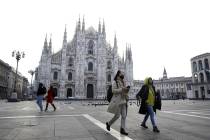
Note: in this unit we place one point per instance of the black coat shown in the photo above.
(41, 91)
(143, 94)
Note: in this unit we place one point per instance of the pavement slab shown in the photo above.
(80, 120)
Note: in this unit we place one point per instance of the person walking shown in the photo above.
(50, 98)
(40, 94)
(118, 104)
(150, 101)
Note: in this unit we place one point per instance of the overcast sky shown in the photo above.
(162, 33)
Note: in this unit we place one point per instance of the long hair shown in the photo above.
(118, 73)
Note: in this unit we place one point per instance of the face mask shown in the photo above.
(122, 77)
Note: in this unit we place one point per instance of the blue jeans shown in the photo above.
(150, 112)
(39, 101)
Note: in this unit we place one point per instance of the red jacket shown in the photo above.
(49, 96)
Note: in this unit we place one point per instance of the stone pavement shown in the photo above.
(79, 120)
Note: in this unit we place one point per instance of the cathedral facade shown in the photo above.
(85, 66)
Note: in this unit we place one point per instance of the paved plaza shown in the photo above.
(80, 120)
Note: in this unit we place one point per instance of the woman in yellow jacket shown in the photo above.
(149, 103)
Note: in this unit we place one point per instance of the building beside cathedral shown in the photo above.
(85, 66)
(170, 87)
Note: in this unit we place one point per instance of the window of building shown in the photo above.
(206, 62)
(208, 91)
(200, 65)
(109, 78)
(109, 65)
(194, 67)
(196, 94)
(70, 76)
(55, 75)
(188, 87)
(90, 47)
(201, 77)
(90, 66)
(71, 61)
(208, 76)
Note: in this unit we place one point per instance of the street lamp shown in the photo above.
(18, 55)
(32, 74)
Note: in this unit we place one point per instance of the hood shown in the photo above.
(146, 80)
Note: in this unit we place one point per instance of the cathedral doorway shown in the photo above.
(69, 92)
(55, 91)
(89, 91)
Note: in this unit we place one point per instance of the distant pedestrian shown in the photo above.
(150, 101)
(203, 97)
(118, 104)
(40, 95)
(50, 98)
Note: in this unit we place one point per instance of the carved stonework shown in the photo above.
(86, 46)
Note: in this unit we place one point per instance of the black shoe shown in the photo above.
(155, 129)
(144, 125)
(122, 131)
(107, 126)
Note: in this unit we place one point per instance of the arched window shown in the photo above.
(109, 65)
(109, 78)
(55, 75)
(206, 62)
(200, 65)
(208, 76)
(70, 76)
(71, 61)
(194, 67)
(90, 47)
(90, 66)
(201, 77)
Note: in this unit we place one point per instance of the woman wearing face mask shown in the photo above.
(118, 104)
(150, 102)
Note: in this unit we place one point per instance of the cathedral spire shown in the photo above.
(45, 42)
(99, 26)
(164, 74)
(115, 40)
(126, 51)
(103, 29)
(65, 35)
(79, 25)
(50, 44)
(123, 58)
(131, 52)
(83, 25)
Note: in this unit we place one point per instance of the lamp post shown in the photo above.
(18, 55)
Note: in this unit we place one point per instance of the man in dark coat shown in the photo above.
(40, 95)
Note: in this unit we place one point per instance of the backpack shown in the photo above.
(109, 93)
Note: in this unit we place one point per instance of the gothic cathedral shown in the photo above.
(85, 66)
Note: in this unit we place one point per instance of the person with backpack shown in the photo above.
(150, 101)
(40, 95)
(118, 103)
(49, 98)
